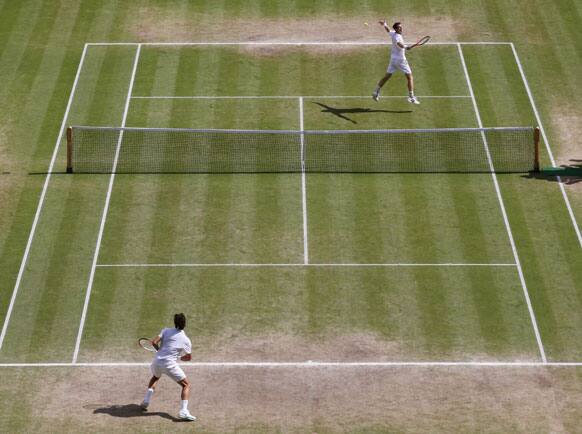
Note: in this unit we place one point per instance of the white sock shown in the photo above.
(411, 94)
(184, 404)
(148, 395)
(377, 90)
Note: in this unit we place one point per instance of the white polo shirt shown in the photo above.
(397, 52)
(175, 344)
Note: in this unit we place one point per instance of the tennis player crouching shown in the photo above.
(172, 344)
(397, 62)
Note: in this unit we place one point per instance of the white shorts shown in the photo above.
(399, 65)
(172, 371)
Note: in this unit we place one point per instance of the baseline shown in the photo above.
(307, 364)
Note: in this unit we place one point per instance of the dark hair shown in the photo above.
(395, 25)
(180, 321)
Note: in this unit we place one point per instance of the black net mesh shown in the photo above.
(153, 150)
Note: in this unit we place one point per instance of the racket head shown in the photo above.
(422, 41)
(146, 344)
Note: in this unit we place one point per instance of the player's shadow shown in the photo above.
(340, 112)
(132, 410)
(569, 173)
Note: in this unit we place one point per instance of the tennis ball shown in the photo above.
(366, 24)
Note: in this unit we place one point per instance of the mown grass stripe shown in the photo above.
(55, 58)
(430, 292)
(131, 204)
(543, 133)
(551, 264)
(39, 208)
(167, 201)
(476, 288)
(506, 220)
(9, 14)
(52, 326)
(106, 207)
(14, 50)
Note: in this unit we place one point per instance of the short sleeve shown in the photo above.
(187, 346)
(161, 334)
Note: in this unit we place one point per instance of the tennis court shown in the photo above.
(298, 269)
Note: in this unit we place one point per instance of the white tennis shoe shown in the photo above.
(185, 415)
(376, 95)
(413, 100)
(144, 405)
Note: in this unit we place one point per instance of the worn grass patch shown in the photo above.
(291, 400)
(153, 24)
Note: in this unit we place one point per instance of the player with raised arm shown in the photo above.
(397, 62)
(171, 344)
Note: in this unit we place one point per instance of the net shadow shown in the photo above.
(340, 112)
(569, 173)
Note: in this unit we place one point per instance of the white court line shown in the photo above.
(105, 209)
(504, 213)
(290, 43)
(444, 264)
(303, 184)
(550, 154)
(294, 96)
(41, 201)
(307, 364)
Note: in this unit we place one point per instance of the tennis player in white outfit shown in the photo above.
(172, 344)
(398, 62)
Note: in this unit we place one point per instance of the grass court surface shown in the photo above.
(392, 302)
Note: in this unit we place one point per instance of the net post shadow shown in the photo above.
(569, 174)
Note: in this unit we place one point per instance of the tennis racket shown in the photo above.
(420, 42)
(147, 345)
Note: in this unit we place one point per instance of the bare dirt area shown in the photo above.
(281, 348)
(11, 182)
(308, 399)
(150, 24)
(8, 163)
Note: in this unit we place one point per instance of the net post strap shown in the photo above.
(70, 150)
(536, 149)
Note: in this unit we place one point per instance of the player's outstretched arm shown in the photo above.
(384, 24)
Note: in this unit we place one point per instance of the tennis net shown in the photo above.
(177, 150)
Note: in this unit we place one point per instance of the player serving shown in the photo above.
(171, 344)
(397, 62)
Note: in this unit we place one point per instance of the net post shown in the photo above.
(536, 149)
(69, 149)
